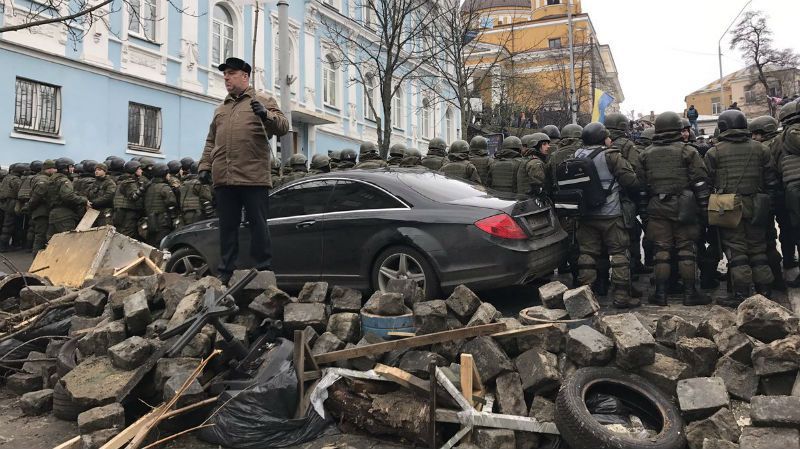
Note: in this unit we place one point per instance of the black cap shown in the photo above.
(235, 64)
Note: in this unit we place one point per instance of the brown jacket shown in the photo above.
(237, 152)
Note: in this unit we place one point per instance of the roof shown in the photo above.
(475, 5)
(746, 72)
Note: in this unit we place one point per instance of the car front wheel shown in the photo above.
(188, 262)
(400, 262)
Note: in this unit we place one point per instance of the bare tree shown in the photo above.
(558, 81)
(78, 16)
(753, 37)
(386, 54)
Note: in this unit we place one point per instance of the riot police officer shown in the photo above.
(174, 175)
(116, 166)
(369, 157)
(66, 206)
(320, 164)
(160, 205)
(458, 164)
(396, 154)
(186, 167)
(553, 133)
(741, 166)
(101, 194)
(531, 177)
(348, 159)
(9, 188)
(413, 158)
(195, 199)
(677, 186)
(787, 165)
(336, 157)
(129, 200)
(38, 206)
(23, 196)
(437, 154)
(297, 164)
(570, 141)
(503, 172)
(479, 156)
(85, 177)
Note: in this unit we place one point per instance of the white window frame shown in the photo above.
(426, 117)
(448, 124)
(716, 107)
(31, 107)
(220, 37)
(330, 82)
(276, 61)
(139, 145)
(398, 109)
(370, 88)
(136, 25)
(370, 19)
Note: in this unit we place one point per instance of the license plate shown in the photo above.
(538, 221)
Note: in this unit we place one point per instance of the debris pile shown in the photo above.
(396, 365)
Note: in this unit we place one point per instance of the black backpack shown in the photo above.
(578, 186)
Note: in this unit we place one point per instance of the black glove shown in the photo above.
(204, 176)
(259, 109)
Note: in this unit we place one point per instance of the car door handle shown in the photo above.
(305, 224)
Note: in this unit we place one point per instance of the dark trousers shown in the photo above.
(230, 201)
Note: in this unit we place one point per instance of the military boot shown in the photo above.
(623, 298)
(659, 297)
(708, 281)
(600, 286)
(693, 297)
(635, 292)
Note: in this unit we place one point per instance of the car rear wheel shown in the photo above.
(188, 262)
(401, 262)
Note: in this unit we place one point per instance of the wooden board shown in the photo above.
(522, 331)
(74, 443)
(411, 342)
(404, 379)
(88, 219)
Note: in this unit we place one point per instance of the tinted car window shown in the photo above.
(441, 188)
(352, 195)
(301, 199)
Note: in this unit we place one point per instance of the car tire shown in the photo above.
(67, 357)
(64, 408)
(417, 265)
(581, 431)
(177, 263)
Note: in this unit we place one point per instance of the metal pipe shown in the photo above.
(719, 52)
(284, 64)
(572, 104)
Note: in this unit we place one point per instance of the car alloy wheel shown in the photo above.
(400, 266)
(187, 263)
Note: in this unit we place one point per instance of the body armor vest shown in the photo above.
(738, 167)
(612, 206)
(154, 202)
(666, 171)
(190, 198)
(457, 169)
(481, 164)
(25, 188)
(122, 198)
(433, 162)
(504, 174)
(9, 186)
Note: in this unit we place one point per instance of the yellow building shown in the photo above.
(744, 88)
(521, 62)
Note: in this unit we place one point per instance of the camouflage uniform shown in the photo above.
(458, 165)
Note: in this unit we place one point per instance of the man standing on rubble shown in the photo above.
(236, 157)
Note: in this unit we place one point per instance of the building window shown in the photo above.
(426, 118)
(398, 112)
(222, 35)
(448, 125)
(330, 84)
(144, 127)
(716, 107)
(142, 18)
(369, 93)
(554, 43)
(332, 3)
(368, 13)
(775, 91)
(37, 108)
(749, 96)
(276, 61)
(553, 2)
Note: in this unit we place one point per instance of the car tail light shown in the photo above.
(501, 225)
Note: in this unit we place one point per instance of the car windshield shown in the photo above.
(439, 187)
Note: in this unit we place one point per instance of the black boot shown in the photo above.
(693, 297)
(600, 286)
(708, 282)
(622, 297)
(635, 292)
(659, 297)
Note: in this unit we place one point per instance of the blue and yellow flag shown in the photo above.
(601, 102)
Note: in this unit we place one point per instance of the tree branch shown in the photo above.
(74, 16)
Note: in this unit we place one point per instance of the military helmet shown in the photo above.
(174, 167)
(115, 163)
(21, 167)
(186, 163)
(617, 121)
(478, 143)
(413, 152)
(193, 169)
(89, 165)
(48, 163)
(159, 170)
(526, 139)
(335, 155)
(64, 163)
(648, 133)
(146, 162)
(731, 119)
(367, 148)
(77, 168)
(763, 125)
(512, 143)
(459, 147)
(397, 150)
(685, 123)
(788, 111)
(571, 130)
(320, 160)
(36, 166)
(537, 138)
(668, 122)
(131, 166)
(552, 132)
(298, 159)
(349, 155)
(437, 143)
(594, 133)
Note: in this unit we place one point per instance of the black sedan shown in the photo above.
(361, 228)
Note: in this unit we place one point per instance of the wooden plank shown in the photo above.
(404, 379)
(467, 365)
(401, 334)
(412, 342)
(129, 267)
(122, 438)
(88, 219)
(445, 382)
(522, 331)
(496, 421)
(73, 443)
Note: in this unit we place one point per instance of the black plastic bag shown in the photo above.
(55, 322)
(607, 409)
(260, 416)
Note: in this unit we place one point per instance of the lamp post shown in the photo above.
(572, 104)
(283, 75)
(719, 53)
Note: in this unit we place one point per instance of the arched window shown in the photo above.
(221, 35)
(369, 93)
(330, 81)
(398, 108)
(276, 61)
(448, 125)
(426, 117)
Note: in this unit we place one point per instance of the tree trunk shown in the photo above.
(386, 139)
